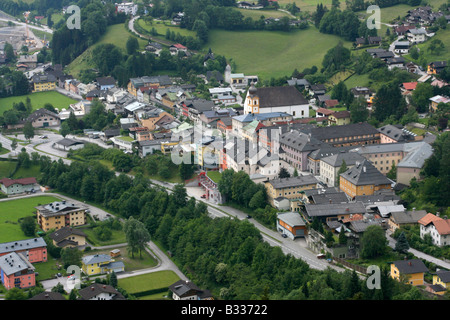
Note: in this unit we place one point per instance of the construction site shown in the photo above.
(19, 34)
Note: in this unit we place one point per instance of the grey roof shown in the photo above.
(184, 288)
(416, 155)
(48, 295)
(329, 198)
(337, 159)
(279, 96)
(38, 78)
(291, 218)
(98, 288)
(335, 209)
(293, 181)
(301, 141)
(408, 216)
(96, 258)
(41, 113)
(64, 232)
(359, 226)
(396, 133)
(298, 82)
(68, 142)
(444, 275)
(348, 130)
(365, 173)
(201, 105)
(410, 266)
(12, 262)
(22, 245)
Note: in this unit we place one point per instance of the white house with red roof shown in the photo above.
(16, 186)
(437, 228)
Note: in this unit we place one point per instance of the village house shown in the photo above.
(413, 270)
(43, 82)
(290, 188)
(363, 179)
(329, 166)
(405, 218)
(98, 291)
(395, 134)
(43, 118)
(437, 228)
(291, 225)
(187, 290)
(68, 237)
(100, 264)
(17, 186)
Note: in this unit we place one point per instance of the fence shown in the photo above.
(347, 264)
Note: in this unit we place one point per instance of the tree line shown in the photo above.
(224, 255)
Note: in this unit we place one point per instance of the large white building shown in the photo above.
(285, 99)
(127, 8)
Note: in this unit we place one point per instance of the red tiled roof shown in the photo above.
(428, 218)
(410, 85)
(331, 103)
(324, 111)
(24, 181)
(442, 226)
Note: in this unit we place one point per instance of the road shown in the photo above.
(42, 28)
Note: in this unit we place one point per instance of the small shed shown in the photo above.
(114, 253)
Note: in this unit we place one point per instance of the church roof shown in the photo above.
(280, 96)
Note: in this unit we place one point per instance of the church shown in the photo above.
(285, 99)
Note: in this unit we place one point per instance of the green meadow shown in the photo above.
(272, 53)
(38, 100)
(12, 210)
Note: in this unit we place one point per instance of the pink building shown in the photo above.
(16, 258)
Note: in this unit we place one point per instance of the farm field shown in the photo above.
(38, 100)
(256, 14)
(12, 210)
(270, 53)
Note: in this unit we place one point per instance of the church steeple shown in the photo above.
(251, 104)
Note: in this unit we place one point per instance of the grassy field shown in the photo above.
(162, 26)
(38, 100)
(149, 281)
(256, 14)
(131, 264)
(7, 168)
(273, 54)
(444, 36)
(308, 5)
(116, 34)
(12, 210)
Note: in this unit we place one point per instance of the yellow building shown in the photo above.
(411, 271)
(441, 279)
(57, 215)
(68, 237)
(339, 118)
(100, 264)
(291, 188)
(363, 179)
(43, 82)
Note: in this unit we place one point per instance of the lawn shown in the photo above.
(38, 100)
(214, 176)
(149, 281)
(117, 237)
(308, 5)
(116, 34)
(32, 171)
(12, 210)
(7, 168)
(131, 264)
(270, 53)
(162, 26)
(256, 14)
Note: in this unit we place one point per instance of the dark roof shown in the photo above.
(338, 158)
(96, 289)
(201, 105)
(410, 266)
(444, 275)
(184, 288)
(293, 181)
(68, 142)
(106, 81)
(279, 96)
(47, 77)
(216, 74)
(41, 112)
(334, 209)
(365, 173)
(348, 130)
(64, 232)
(323, 198)
(24, 181)
(48, 296)
(301, 141)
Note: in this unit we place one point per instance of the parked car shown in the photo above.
(203, 196)
(249, 216)
(284, 235)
